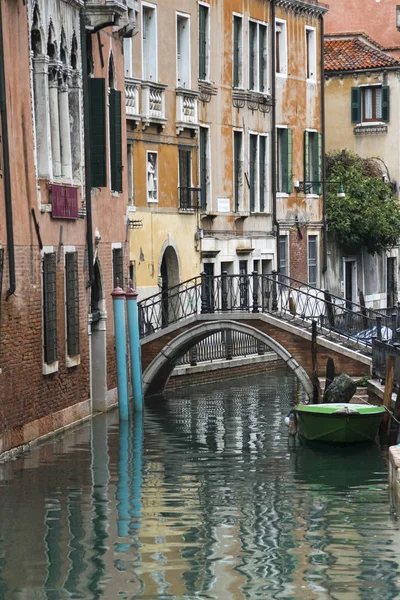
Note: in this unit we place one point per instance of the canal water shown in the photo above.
(208, 500)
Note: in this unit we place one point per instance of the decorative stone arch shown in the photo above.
(37, 32)
(157, 374)
(74, 53)
(169, 242)
(52, 45)
(64, 49)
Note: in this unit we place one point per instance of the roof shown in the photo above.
(355, 53)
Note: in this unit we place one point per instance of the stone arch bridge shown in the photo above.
(276, 310)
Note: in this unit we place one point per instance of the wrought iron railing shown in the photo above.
(281, 296)
(223, 345)
(381, 350)
(189, 198)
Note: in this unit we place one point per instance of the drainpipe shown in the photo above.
(6, 170)
(88, 172)
(323, 161)
(273, 134)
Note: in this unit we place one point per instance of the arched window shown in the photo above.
(64, 82)
(75, 90)
(54, 75)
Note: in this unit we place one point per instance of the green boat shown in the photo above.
(342, 423)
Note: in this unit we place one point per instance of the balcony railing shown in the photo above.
(153, 104)
(189, 198)
(186, 110)
(132, 94)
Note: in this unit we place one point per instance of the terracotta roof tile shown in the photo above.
(354, 54)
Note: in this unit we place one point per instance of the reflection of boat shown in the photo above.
(338, 423)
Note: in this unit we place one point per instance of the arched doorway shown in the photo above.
(169, 274)
(98, 343)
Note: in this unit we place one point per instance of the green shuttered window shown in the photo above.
(118, 267)
(50, 307)
(203, 25)
(313, 160)
(284, 160)
(203, 167)
(237, 172)
(72, 302)
(370, 104)
(115, 140)
(237, 51)
(97, 98)
(253, 172)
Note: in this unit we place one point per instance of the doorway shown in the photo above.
(350, 282)
(169, 273)
(390, 282)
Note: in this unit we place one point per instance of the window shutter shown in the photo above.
(385, 103)
(237, 146)
(50, 307)
(252, 169)
(115, 141)
(287, 160)
(355, 105)
(118, 267)
(203, 167)
(202, 42)
(72, 302)
(306, 156)
(252, 41)
(236, 51)
(316, 162)
(97, 99)
(184, 177)
(261, 57)
(262, 172)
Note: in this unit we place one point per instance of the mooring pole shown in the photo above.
(134, 348)
(123, 490)
(118, 296)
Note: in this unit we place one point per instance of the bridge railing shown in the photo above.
(223, 345)
(279, 295)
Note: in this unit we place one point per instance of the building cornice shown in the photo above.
(353, 72)
(304, 7)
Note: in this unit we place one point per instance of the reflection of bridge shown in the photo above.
(276, 310)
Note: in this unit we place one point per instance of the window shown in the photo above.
(238, 169)
(283, 160)
(149, 42)
(283, 255)
(311, 59)
(183, 51)
(152, 177)
(237, 50)
(204, 41)
(128, 57)
(185, 178)
(258, 172)
(49, 307)
(131, 189)
(98, 169)
(115, 130)
(118, 267)
(257, 56)
(312, 260)
(370, 104)
(204, 167)
(72, 302)
(280, 47)
(313, 160)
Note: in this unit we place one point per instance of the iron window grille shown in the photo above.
(50, 307)
(72, 302)
(118, 267)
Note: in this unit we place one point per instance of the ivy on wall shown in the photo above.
(369, 215)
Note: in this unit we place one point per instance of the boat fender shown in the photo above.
(291, 422)
(287, 418)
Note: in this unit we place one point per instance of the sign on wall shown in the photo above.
(223, 204)
(64, 202)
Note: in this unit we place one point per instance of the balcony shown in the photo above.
(99, 14)
(132, 97)
(189, 199)
(186, 110)
(153, 104)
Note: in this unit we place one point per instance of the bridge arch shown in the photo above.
(157, 374)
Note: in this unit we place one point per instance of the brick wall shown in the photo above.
(298, 253)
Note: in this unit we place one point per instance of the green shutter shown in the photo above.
(318, 161)
(261, 58)
(355, 105)
(185, 178)
(50, 307)
(306, 155)
(252, 169)
(287, 160)
(385, 103)
(252, 41)
(237, 155)
(97, 101)
(115, 141)
(72, 302)
(261, 163)
(203, 167)
(315, 162)
(236, 51)
(202, 41)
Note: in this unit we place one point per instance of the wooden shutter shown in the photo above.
(252, 169)
(50, 307)
(118, 267)
(202, 42)
(315, 162)
(237, 158)
(72, 302)
(306, 156)
(262, 37)
(115, 140)
(184, 177)
(236, 51)
(287, 160)
(252, 51)
(203, 167)
(355, 105)
(261, 169)
(385, 103)
(97, 99)
(318, 162)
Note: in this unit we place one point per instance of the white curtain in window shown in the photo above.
(368, 104)
(379, 103)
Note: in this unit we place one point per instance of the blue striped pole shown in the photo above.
(134, 348)
(118, 296)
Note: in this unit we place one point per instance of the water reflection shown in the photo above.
(205, 498)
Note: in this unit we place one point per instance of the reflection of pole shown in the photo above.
(118, 296)
(137, 469)
(123, 486)
(134, 348)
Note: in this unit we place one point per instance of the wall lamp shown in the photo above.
(307, 186)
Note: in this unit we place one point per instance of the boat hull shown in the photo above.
(338, 425)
